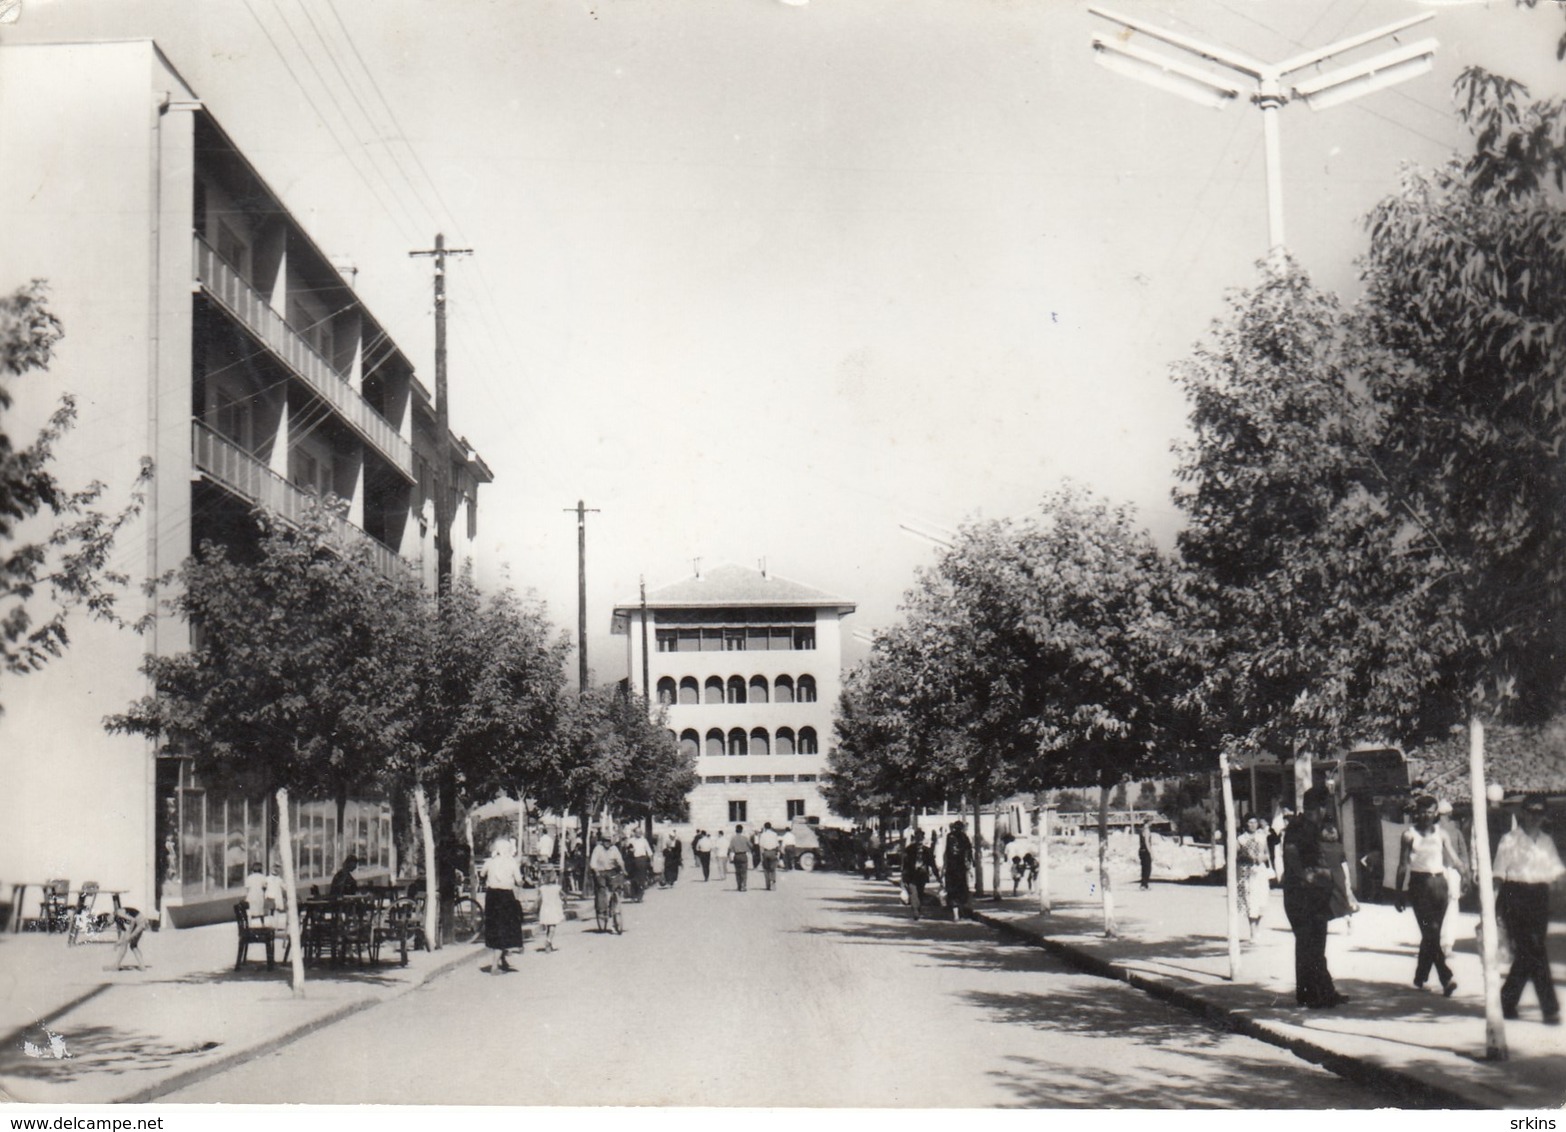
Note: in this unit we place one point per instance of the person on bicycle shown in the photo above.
(607, 867)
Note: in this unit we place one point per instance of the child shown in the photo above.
(131, 925)
(551, 906)
(1030, 869)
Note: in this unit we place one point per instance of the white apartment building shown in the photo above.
(206, 330)
(749, 666)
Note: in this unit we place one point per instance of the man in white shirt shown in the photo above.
(639, 867)
(1526, 863)
(769, 843)
(790, 849)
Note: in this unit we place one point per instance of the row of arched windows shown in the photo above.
(756, 741)
(737, 690)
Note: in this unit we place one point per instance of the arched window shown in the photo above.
(714, 743)
(758, 689)
(668, 693)
(783, 689)
(736, 689)
(737, 743)
(807, 689)
(758, 741)
(690, 743)
(785, 741)
(807, 741)
(690, 691)
(714, 690)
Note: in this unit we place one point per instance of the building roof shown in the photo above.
(731, 585)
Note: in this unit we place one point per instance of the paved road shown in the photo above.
(822, 993)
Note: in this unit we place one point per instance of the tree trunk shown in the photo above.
(342, 834)
(285, 840)
(978, 857)
(1304, 778)
(1105, 890)
(995, 854)
(1494, 1024)
(432, 889)
(1044, 861)
(1231, 865)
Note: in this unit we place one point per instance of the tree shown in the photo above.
(1466, 280)
(299, 678)
(66, 567)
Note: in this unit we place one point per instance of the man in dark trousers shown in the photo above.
(739, 850)
(1307, 901)
(1526, 864)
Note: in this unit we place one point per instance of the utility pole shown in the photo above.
(447, 801)
(1270, 85)
(582, 511)
(443, 552)
(646, 691)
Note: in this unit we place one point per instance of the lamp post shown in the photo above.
(1270, 85)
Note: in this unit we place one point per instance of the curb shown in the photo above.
(218, 1065)
(1419, 1092)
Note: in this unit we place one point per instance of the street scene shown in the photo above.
(783, 554)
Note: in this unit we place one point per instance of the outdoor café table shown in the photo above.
(86, 933)
(318, 928)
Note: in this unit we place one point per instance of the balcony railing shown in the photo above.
(242, 301)
(240, 472)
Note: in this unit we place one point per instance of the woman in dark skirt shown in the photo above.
(502, 914)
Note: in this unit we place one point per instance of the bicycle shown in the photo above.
(467, 915)
(606, 901)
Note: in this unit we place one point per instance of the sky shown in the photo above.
(775, 281)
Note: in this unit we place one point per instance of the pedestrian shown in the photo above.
(790, 849)
(1454, 880)
(544, 845)
(130, 925)
(701, 845)
(916, 863)
(720, 854)
(1255, 879)
(954, 868)
(274, 902)
(1527, 862)
(739, 855)
(1307, 901)
(1030, 869)
(673, 856)
(1144, 852)
(1424, 854)
(551, 905)
(768, 845)
(502, 875)
(638, 863)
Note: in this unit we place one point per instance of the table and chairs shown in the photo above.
(359, 927)
(66, 911)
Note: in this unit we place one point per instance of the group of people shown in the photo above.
(503, 876)
(1433, 871)
(919, 864)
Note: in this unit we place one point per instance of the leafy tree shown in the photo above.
(298, 680)
(65, 568)
(1466, 279)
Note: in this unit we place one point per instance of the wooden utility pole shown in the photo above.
(447, 800)
(582, 511)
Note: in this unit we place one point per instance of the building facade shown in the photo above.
(206, 330)
(749, 667)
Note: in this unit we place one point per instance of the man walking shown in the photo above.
(739, 853)
(703, 847)
(639, 867)
(769, 843)
(1307, 901)
(1526, 864)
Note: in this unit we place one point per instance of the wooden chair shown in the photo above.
(356, 930)
(266, 937)
(400, 925)
(54, 913)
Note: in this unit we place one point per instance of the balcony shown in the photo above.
(247, 477)
(239, 299)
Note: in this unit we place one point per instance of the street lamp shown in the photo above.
(1270, 85)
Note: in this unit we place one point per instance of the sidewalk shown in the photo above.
(1425, 1048)
(136, 1035)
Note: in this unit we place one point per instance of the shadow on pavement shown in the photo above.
(95, 1050)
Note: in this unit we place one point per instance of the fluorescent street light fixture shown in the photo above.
(1220, 55)
(1166, 74)
(1384, 70)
